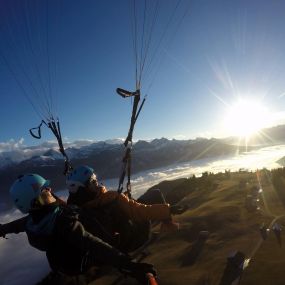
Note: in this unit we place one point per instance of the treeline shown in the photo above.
(174, 191)
(278, 181)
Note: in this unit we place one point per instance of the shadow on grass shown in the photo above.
(195, 250)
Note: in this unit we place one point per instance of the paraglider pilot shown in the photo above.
(127, 217)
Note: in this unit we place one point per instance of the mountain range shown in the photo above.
(106, 157)
(269, 136)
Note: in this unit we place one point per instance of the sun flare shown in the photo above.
(246, 117)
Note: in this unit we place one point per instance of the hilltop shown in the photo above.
(219, 204)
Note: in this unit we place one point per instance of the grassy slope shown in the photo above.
(220, 209)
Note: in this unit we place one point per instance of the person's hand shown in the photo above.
(139, 271)
(178, 210)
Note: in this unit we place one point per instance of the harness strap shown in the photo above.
(126, 161)
(38, 128)
(129, 176)
(124, 169)
(125, 93)
(133, 119)
(54, 126)
(57, 132)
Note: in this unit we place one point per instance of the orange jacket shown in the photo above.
(132, 209)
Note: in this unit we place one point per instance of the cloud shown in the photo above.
(265, 157)
(12, 145)
(157, 174)
(17, 268)
(180, 137)
(206, 134)
(277, 118)
(77, 143)
(281, 95)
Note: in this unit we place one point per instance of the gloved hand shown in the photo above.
(177, 209)
(139, 271)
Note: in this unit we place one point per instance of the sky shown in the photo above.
(203, 56)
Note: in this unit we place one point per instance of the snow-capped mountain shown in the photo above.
(13, 152)
(106, 157)
(48, 151)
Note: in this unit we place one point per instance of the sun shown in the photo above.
(246, 117)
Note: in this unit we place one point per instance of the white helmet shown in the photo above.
(79, 178)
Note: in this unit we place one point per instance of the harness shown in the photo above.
(40, 234)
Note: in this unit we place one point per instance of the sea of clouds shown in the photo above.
(24, 265)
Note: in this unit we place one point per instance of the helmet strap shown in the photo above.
(37, 202)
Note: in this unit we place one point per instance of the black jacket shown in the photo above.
(57, 230)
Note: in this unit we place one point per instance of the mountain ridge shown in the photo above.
(107, 160)
(106, 157)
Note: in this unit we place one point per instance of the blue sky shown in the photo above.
(220, 51)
